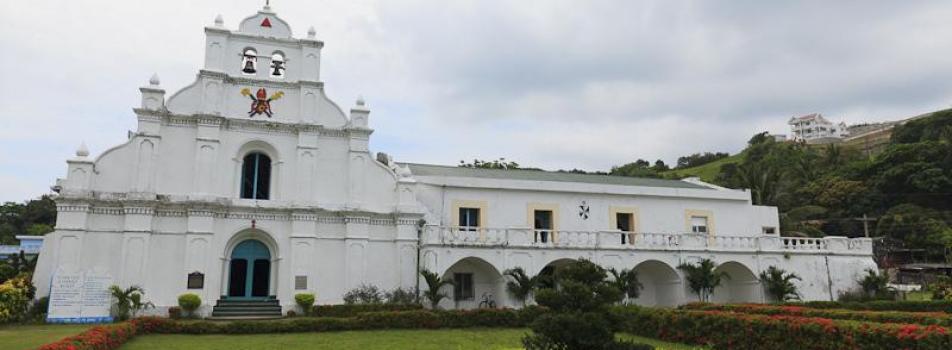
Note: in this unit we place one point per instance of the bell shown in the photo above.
(278, 68)
(249, 67)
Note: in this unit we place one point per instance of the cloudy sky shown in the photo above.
(549, 83)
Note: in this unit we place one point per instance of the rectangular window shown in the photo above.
(542, 225)
(463, 289)
(699, 224)
(770, 230)
(469, 219)
(625, 222)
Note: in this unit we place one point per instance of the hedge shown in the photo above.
(923, 318)
(729, 330)
(350, 310)
(112, 336)
(881, 305)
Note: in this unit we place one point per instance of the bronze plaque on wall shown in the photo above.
(196, 280)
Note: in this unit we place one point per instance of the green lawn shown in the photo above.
(456, 339)
(32, 336)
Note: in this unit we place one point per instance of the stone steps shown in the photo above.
(245, 309)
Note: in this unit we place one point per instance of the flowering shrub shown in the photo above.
(106, 337)
(731, 330)
(113, 336)
(882, 305)
(922, 318)
(16, 296)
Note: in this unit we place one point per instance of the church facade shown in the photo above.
(251, 184)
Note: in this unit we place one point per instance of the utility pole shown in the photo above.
(865, 219)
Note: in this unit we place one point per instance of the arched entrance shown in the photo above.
(742, 286)
(249, 270)
(475, 279)
(661, 284)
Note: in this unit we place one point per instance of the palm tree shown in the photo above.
(136, 304)
(703, 278)
(124, 299)
(521, 285)
(434, 283)
(626, 281)
(779, 284)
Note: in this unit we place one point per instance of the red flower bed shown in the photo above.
(731, 330)
(105, 337)
(922, 318)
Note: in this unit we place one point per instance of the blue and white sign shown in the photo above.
(80, 297)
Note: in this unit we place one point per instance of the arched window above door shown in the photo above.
(256, 176)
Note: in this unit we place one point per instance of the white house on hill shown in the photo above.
(250, 184)
(814, 128)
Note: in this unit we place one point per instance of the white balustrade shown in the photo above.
(799, 243)
(556, 239)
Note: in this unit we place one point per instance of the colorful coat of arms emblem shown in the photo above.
(261, 102)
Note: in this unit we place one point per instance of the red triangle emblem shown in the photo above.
(266, 23)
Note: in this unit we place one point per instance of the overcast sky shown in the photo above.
(553, 84)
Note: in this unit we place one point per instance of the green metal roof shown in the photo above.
(539, 175)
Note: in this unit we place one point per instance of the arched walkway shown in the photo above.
(662, 284)
(475, 278)
(548, 271)
(743, 286)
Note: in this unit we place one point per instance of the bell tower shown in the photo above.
(260, 71)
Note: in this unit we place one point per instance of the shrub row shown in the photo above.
(414, 319)
(729, 330)
(881, 305)
(112, 336)
(350, 310)
(923, 318)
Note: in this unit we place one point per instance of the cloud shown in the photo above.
(549, 83)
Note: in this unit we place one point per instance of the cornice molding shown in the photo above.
(194, 120)
(165, 209)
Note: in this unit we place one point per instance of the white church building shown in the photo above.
(250, 184)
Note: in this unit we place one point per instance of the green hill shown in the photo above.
(706, 172)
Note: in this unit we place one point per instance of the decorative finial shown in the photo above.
(267, 4)
(154, 80)
(311, 33)
(82, 151)
(360, 101)
(219, 22)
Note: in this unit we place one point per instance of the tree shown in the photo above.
(434, 285)
(124, 299)
(626, 281)
(521, 285)
(579, 318)
(638, 168)
(917, 227)
(779, 284)
(875, 285)
(703, 278)
(500, 163)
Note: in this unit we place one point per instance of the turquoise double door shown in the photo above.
(249, 274)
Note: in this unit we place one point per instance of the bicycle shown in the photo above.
(488, 301)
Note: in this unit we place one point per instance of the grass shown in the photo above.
(454, 339)
(707, 172)
(31, 336)
(919, 295)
